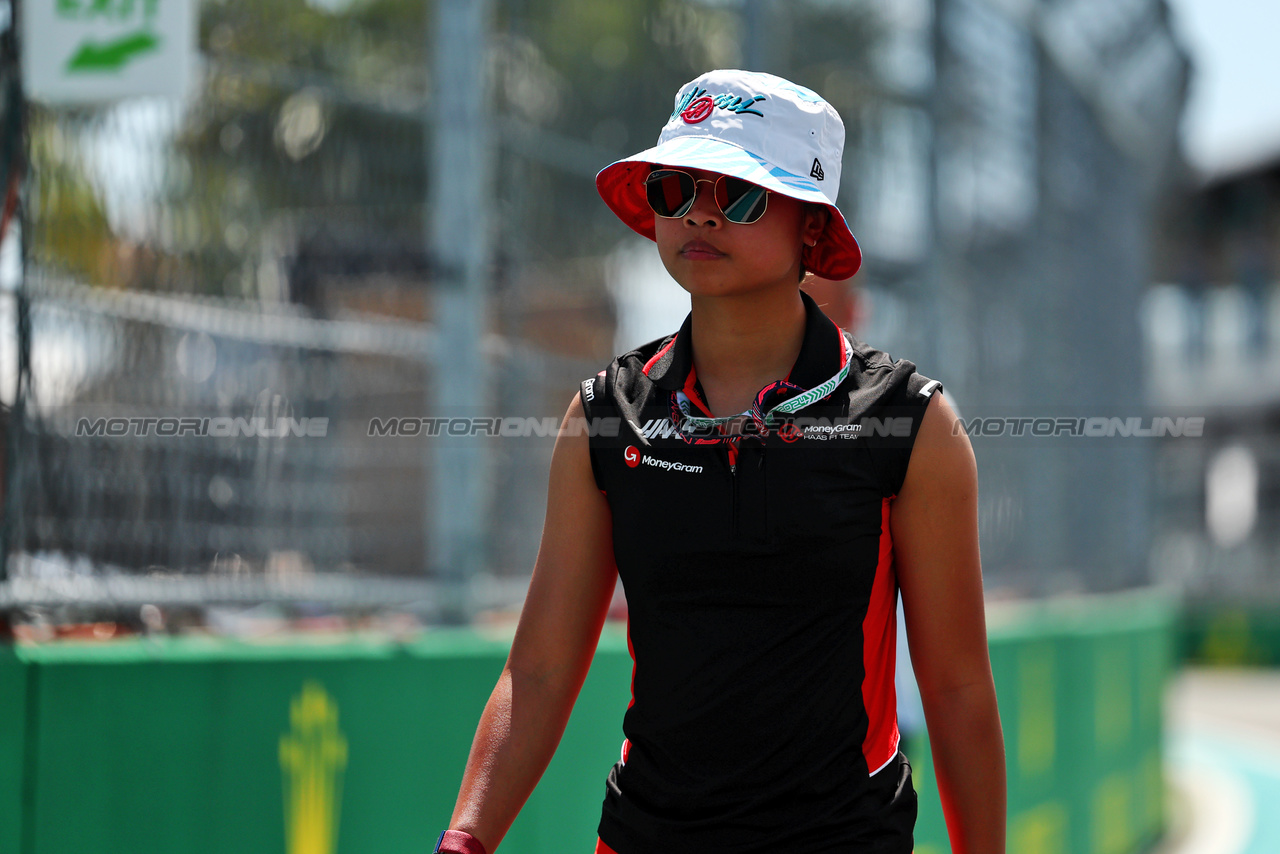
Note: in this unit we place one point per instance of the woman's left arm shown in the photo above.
(934, 525)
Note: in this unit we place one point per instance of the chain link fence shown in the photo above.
(257, 255)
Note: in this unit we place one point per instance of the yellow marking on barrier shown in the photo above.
(1152, 670)
(1152, 792)
(313, 757)
(1113, 696)
(1228, 639)
(1112, 815)
(1040, 830)
(1037, 725)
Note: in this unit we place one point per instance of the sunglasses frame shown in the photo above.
(715, 186)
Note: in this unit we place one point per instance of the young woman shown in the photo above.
(773, 484)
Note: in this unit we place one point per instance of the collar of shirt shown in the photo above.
(821, 356)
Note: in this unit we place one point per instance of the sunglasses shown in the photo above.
(671, 193)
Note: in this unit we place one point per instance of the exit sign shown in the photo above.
(85, 51)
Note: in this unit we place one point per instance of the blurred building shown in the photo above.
(1005, 205)
(1212, 324)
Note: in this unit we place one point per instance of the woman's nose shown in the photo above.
(704, 210)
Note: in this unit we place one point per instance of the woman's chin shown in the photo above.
(720, 286)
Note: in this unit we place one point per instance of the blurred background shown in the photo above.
(240, 238)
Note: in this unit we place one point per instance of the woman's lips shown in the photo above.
(700, 250)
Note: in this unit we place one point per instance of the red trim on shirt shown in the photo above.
(658, 355)
(879, 652)
(691, 391)
(626, 742)
(632, 650)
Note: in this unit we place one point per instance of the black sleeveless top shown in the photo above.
(761, 607)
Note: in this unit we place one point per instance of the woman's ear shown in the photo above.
(816, 217)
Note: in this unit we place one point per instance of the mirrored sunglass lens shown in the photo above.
(741, 201)
(669, 192)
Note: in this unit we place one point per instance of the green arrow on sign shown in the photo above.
(113, 55)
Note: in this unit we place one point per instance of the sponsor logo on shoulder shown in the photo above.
(633, 457)
(589, 390)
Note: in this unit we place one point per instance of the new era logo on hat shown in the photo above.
(757, 127)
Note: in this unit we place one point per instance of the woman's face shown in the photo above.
(710, 256)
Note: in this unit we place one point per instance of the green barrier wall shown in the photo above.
(1080, 685)
(198, 746)
(1231, 634)
(13, 730)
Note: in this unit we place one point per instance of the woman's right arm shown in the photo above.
(555, 641)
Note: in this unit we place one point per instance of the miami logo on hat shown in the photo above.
(695, 105)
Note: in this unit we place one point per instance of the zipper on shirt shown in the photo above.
(732, 448)
(764, 489)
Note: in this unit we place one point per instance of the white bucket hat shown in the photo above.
(757, 127)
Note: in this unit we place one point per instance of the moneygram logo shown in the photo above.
(790, 432)
(633, 458)
(839, 431)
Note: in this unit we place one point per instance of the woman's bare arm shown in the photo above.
(564, 610)
(934, 525)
